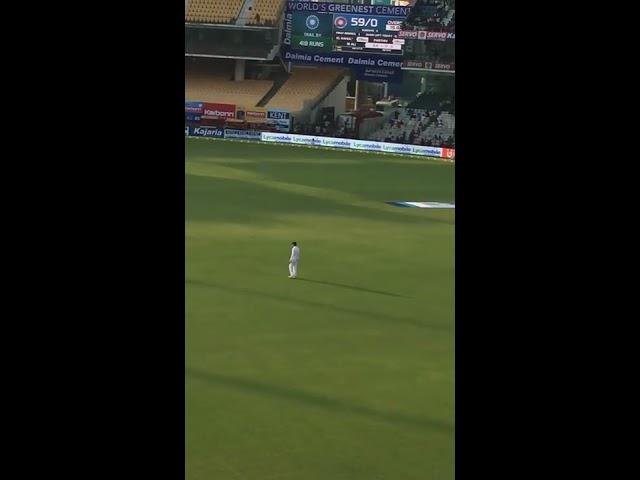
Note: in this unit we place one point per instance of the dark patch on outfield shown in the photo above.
(322, 306)
(352, 287)
(315, 400)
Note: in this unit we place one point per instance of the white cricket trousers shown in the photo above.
(293, 269)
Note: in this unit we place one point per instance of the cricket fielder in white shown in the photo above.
(293, 260)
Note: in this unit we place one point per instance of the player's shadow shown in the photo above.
(352, 287)
(324, 306)
(318, 400)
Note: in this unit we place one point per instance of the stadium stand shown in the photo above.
(418, 127)
(321, 100)
(305, 84)
(213, 83)
(213, 11)
(236, 42)
(265, 12)
(438, 14)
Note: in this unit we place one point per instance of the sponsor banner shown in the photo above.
(277, 137)
(282, 128)
(251, 114)
(194, 107)
(282, 115)
(211, 132)
(422, 65)
(423, 204)
(427, 151)
(244, 134)
(279, 119)
(413, 64)
(449, 67)
(284, 123)
(192, 117)
(372, 66)
(367, 145)
(375, 74)
(337, 142)
(427, 35)
(311, 7)
(399, 148)
(255, 116)
(449, 153)
(219, 110)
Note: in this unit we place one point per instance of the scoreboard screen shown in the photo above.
(367, 39)
(353, 33)
(345, 28)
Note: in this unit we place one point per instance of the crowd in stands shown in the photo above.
(433, 54)
(418, 127)
(431, 101)
(434, 128)
(327, 126)
(433, 14)
(325, 129)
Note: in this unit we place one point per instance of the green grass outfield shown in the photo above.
(347, 372)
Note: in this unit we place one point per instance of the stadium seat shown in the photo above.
(304, 84)
(266, 12)
(213, 83)
(213, 11)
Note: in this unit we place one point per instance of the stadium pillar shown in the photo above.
(240, 67)
(361, 94)
(356, 103)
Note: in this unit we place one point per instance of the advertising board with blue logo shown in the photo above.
(192, 117)
(279, 119)
(193, 107)
(367, 145)
(318, 141)
(210, 132)
(242, 134)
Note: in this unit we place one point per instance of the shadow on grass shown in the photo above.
(243, 201)
(316, 400)
(351, 287)
(318, 305)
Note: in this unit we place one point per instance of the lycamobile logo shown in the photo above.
(371, 146)
(338, 143)
(398, 148)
